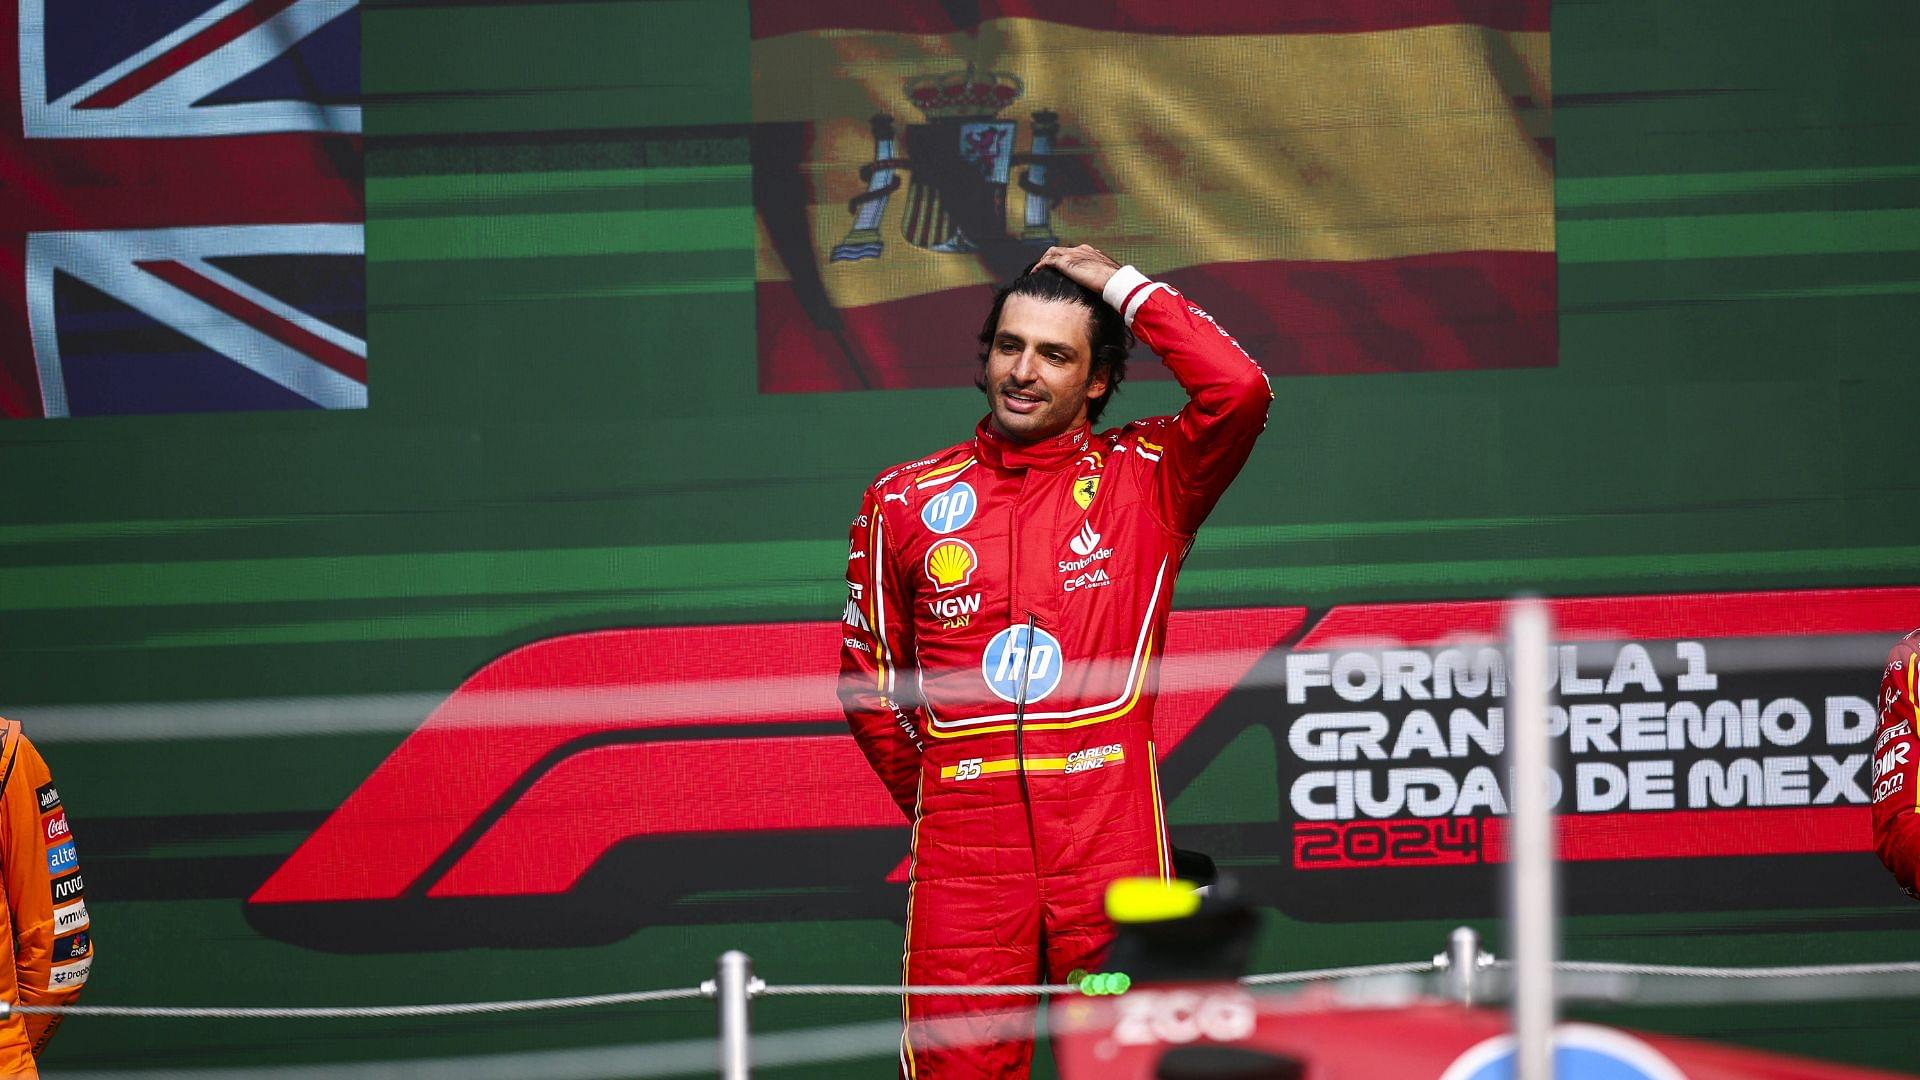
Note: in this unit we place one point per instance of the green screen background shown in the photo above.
(565, 434)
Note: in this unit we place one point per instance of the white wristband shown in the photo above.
(1126, 290)
(1120, 286)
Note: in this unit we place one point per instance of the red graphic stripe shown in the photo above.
(533, 700)
(1696, 834)
(19, 377)
(1469, 310)
(1395, 1042)
(55, 184)
(175, 60)
(1209, 654)
(286, 333)
(519, 708)
(594, 800)
(772, 18)
(1613, 618)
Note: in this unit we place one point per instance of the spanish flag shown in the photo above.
(1351, 186)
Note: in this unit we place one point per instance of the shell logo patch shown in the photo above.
(950, 564)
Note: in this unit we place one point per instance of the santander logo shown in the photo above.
(1086, 544)
(1086, 541)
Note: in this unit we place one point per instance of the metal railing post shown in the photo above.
(1463, 961)
(732, 985)
(1532, 906)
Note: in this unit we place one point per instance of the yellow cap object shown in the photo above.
(1145, 900)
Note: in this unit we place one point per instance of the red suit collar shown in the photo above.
(1000, 452)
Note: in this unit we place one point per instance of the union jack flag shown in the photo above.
(182, 221)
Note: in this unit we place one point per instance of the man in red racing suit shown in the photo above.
(1896, 767)
(1008, 607)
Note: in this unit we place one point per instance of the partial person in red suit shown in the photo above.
(1896, 757)
(1007, 611)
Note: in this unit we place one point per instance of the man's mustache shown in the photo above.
(1034, 392)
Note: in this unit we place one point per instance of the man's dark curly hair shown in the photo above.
(1108, 334)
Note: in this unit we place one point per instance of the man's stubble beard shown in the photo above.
(1046, 416)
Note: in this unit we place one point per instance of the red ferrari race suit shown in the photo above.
(1022, 819)
(44, 926)
(1896, 767)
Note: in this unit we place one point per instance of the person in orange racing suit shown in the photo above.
(1008, 606)
(1896, 757)
(47, 933)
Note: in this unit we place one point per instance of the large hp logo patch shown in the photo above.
(1011, 652)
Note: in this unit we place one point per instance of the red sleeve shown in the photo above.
(1203, 447)
(1896, 757)
(877, 660)
(53, 937)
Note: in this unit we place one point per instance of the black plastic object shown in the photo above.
(1194, 866)
(1214, 943)
(1226, 1063)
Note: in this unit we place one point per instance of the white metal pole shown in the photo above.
(1463, 963)
(732, 984)
(1532, 908)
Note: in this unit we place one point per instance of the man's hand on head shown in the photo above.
(1085, 265)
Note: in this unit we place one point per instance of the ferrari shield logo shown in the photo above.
(1083, 490)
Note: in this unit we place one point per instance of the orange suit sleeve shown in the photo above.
(46, 895)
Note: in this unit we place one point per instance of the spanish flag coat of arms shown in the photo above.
(1354, 185)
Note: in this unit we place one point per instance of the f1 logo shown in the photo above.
(510, 754)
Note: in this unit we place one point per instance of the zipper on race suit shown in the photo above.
(1020, 738)
(1014, 606)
